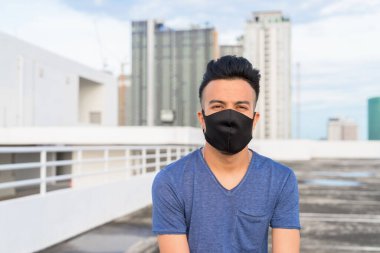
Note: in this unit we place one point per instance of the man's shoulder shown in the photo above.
(279, 173)
(274, 167)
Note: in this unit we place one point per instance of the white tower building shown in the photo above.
(341, 129)
(267, 41)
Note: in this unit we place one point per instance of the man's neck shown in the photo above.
(226, 163)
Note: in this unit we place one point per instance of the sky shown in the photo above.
(336, 42)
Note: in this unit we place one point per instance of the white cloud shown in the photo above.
(306, 5)
(338, 39)
(99, 2)
(351, 6)
(179, 22)
(53, 26)
(338, 54)
(229, 37)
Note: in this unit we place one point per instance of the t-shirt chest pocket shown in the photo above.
(249, 230)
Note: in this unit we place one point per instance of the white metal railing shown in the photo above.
(135, 161)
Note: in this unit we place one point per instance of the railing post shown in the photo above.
(128, 171)
(106, 168)
(178, 152)
(157, 160)
(106, 156)
(43, 159)
(143, 169)
(168, 154)
(79, 160)
(78, 167)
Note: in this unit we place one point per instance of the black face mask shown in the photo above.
(228, 131)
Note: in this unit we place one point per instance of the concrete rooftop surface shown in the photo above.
(339, 203)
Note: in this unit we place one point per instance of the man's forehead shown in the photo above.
(229, 88)
(229, 95)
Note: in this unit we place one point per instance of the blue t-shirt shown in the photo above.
(188, 199)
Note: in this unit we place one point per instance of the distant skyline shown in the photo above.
(335, 41)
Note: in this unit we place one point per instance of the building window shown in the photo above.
(95, 117)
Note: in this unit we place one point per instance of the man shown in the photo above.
(224, 196)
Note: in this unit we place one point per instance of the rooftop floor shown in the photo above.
(340, 212)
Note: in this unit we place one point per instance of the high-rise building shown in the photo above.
(124, 88)
(341, 129)
(231, 50)
(167, 68)
(267, 41)
(374, 118)
(236, 49)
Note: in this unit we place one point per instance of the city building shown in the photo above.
(236, 49)
(267, 45)
(124, 102)
(39, 88)
(374, 118)
(341, 129)
(167, 68)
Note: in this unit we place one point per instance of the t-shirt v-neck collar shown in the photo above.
(238, 186)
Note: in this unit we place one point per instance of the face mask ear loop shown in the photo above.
(203, 113)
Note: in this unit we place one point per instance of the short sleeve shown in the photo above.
(168, 216)
(286, 212)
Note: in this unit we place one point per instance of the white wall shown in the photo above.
(143, 135)
(126, 135)
(91, 99)
(310, 149)
(35, 222)
(39, 88)
(53, 95)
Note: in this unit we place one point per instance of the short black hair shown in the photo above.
(231, 67)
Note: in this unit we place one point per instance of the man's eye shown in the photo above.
(216, 107)
(243, 107)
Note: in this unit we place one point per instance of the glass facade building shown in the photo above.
(374, 118)
(168, 64)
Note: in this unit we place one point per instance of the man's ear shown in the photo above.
(256, 118)
(201, 120)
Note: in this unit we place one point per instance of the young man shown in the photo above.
(224, 196)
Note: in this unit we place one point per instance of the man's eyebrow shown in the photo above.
(242, 102)
(213, 101)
